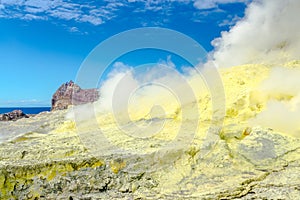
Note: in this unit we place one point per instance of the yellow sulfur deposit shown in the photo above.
(175, 154)
(117, 165)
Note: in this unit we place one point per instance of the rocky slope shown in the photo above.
(52, 157)
(71, 94)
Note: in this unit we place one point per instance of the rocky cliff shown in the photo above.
(71, 94)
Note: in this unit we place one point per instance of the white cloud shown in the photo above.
(13, 2)
(230, 21)
(208, 4)
(40, 4)
(114, 5)
(202, 15)
(91, 19)
(269, 33)
(93, 13)
(74, 29)
(32, 17)
(33, 10)
(59, 9)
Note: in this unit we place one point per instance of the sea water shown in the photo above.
(26, 110)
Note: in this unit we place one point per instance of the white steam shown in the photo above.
(208, 4)
(282, 89)
(137, 90)
(108, 88)
(269, 33)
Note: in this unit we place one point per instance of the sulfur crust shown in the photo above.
(62, 144)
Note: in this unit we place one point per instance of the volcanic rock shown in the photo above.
(71, 94)
(13, 116)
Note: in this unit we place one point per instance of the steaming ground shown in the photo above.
(268, 35)
(158, 106)
(256, 97)
(164, 155)
(281, 91)
(138, 92)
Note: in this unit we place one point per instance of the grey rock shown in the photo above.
(13, 116)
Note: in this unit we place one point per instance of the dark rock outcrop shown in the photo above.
(13, 116)
(71, 94)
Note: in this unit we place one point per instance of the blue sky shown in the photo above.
(43, 42)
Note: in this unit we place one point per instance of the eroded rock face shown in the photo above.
(71, 94)
(13, 116)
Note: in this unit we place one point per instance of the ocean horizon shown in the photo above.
(26, 110)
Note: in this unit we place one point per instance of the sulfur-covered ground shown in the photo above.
(54, 157)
